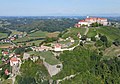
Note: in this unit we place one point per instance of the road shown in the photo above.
(87, 30)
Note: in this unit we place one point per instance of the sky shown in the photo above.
(59, 7)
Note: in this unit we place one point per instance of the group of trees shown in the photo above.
(96, 24)
(19, 50)
(47, 39)
(88, 67)
(103, 41)
(116, 42)
(32, 73)
(3, 76)
(49, 25)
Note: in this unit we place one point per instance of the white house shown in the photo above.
(14, 61)
(57, 47)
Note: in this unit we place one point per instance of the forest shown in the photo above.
(88, 67)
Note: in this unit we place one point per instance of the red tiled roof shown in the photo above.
(58, 46)
(95, 19)
(5, 52)
(6, 72)
(13, 59)
(82, 21)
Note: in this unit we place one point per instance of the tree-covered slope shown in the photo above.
(88, 67)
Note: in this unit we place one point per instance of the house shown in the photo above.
(72, 40)
(57, 47)
(89, 20)
(79, 35)
(12, 38)
(88, 39)
(7, 72)
(5, 53)
(14, 61)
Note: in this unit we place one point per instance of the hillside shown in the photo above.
(111, 32)
(93, 62)
(87, 55)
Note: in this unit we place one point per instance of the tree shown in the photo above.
(104, 39)
(19, 50)
(93, 38)
(98, 43)
(47, 40)
(116, 42)
(84, 37)
(33, 44)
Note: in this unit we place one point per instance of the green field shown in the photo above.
(40, 34)
(14, 32)
(5, 45)
(23, 39)
(53, 34)
(8, 81)
(36, 35)
(111, 32)
(72, 32)
(112, 51)
(37, 42)
(49, 57)
(92, 32)
(3, 35)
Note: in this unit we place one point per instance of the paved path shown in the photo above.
(66, 78)
(87, 30)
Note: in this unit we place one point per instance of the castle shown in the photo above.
(89, 20)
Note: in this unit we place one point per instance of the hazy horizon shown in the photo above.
(59, 8)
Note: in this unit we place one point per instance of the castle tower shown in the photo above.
(88, 16)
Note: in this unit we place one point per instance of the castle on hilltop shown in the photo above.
(89, 20)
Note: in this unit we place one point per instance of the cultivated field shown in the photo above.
(3, 35)
(111, 32)
(49, 57)
(5, 45)
(112, 51)
(73, 32)
(36, 35)
(14, 32)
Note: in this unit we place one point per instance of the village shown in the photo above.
(48, 52)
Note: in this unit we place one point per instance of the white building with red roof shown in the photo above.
(89, 20)
(5, 53)
(57, 47)
(14, 61)
(83, 22)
